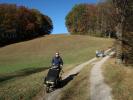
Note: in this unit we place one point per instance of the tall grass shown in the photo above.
(120, 79)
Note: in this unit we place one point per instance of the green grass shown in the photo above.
(119, 77)
(22, 88)
(38, 52)
(27, 59)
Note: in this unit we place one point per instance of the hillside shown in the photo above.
(38, 52)
(25, 58)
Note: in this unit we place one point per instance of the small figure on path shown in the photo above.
(97, 53)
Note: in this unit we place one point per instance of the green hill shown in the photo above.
(38, 52)
(21, 63)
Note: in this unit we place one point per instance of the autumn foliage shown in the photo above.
(92, 19)
(18, 23)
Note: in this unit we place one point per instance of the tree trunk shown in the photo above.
(119, 43)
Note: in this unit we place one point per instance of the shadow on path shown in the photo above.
(65, 81)
(68, 79)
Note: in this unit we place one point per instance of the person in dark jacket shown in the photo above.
(57, 61)
(55, 69)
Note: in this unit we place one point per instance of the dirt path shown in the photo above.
(99, 90)
(55, 95)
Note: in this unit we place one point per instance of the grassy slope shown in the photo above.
(37, 53)
(120, 79)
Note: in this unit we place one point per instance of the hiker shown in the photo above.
(57, 61)
(102, 53)
(53, 78)
(97, 53)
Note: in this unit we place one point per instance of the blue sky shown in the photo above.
(55, 9)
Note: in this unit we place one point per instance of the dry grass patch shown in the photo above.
(120, 79)
(78, 88)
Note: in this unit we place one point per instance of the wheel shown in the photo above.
(59, 83)
(47, 89)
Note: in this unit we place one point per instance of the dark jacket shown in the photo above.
(57, 61)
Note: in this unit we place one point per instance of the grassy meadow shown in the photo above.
(37, 53)
(23, 65)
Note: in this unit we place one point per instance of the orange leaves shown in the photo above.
(78, 19)
(18, 23)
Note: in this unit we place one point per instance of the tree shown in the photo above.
(44, 23)
(106, 19)
(77, 19)
(19, 23)
(124, 10)
(91, 19)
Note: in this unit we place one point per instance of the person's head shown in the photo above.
(57, 54)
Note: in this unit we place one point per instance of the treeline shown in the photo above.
(18, 23)
(92, 19)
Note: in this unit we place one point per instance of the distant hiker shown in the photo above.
(97, 53)
(102, 53)
(57, 60)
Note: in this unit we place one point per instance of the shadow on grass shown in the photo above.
(4, 44)
(23, 72)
